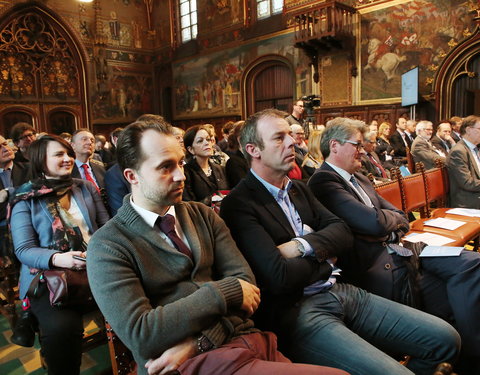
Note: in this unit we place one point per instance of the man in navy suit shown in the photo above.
(448, 286)
(291, 242)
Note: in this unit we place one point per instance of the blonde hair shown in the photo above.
(381, 129)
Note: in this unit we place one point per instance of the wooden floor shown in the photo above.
(17, 360)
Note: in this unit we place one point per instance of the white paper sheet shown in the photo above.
(441, 251)
(444, 223)
(464, 212)
(431, 239)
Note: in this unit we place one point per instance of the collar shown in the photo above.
(79, 164)
(9, 166)
(149, 216)
(470, 145)
(402, 133)
(273, 190)
(342, 172)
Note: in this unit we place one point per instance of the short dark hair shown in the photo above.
(18, 129)
(129, 149)
(468, 122)
(81, 130)
(249, 132)
(147, 117)
(228, 127)
(235, 133)
(38, 154)
(116, 132)
(190, 134)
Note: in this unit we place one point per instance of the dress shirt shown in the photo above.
(79, 164)
(473, 150)
(348, 177)
(151, 219)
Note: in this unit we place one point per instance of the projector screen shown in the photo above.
(410, 87)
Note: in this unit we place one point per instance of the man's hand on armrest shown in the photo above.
(173, 358)
(251, 297)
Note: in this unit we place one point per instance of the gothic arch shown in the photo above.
(255, 69)
(42, 64)
(457, 63)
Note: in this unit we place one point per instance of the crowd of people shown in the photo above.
(201, 255)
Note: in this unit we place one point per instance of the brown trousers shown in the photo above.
(251, 354)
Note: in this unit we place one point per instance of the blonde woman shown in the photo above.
(384, 148)
(313, 159)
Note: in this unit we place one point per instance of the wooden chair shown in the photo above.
(120, 356)
(390, 191)
(410, 161)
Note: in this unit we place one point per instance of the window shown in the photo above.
(188, 19)
(266, 8)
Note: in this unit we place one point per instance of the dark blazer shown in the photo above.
(371, 226)
(98, 170)
(258, 225)
(464, 177)
(116, 188)
(398, 145)
(236, 168)
(199, 187)
(19, 177)
(442, 145)
(20, 157)
(369, 167)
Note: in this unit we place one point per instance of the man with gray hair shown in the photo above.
(291, 242)
(422, 149)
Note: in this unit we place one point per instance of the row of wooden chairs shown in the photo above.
(426, 192)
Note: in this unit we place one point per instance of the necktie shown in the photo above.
(407, 140)
(360, 191)
(167, 226)
(89, 177)
(378, 165)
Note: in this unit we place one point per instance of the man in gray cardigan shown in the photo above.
(179, 297)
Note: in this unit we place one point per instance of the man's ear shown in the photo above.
(252, 150)
(333, 144)
(131, 176)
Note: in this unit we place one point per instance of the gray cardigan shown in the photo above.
(153, 295)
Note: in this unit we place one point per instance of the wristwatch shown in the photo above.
(300, 247)
(204, 344)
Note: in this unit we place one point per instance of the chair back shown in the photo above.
(391, 192)
(120, 356)
(413, 193)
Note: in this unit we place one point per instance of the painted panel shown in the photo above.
(397, 38)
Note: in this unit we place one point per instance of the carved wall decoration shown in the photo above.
(335, 72)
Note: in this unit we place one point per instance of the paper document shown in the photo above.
(443, 223)
(464, 212)
(441, 251)
(429, 238)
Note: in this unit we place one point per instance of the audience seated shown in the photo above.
(22, 135)
(313, 159)
(384, 149)
(116, 187)
(218, 156)
(226, 131)
(443, 140)
(456, 123)
(177, 292)
(447, 285)
(400, 140)
(463, 163)
(105, 154)
(179, 133)
(370, 161)
(301, 147)
(203, 177)
(292, 242)
(237, 165)
(53, 217)
(422, 149)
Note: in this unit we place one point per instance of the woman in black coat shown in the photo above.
(203, 178)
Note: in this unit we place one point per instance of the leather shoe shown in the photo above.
(24, 331)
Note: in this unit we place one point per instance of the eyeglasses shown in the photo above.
(357, 145)
(28, 135)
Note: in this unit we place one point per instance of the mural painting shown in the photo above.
(219, 14)
(123, 97)
(395, 39)
(210, 85)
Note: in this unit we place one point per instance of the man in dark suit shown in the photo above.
(116, 187)
(291, 242)
(463, 163)
(448, 285)
(399, 139)
(443, 139)
(371, 163)
(456, 123)
(83, 143)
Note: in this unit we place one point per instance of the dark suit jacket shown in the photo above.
(236, 168)
(369, 167)
(19, 177)
(440, 144)
(258, 225)
(98, 170)
(371, 226)
(116, 188)
(464, 177)
(199, 187)
(398, 145)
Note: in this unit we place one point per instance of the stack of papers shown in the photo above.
(429, 238)
(464, 212)
(444, 223)
(441, 251)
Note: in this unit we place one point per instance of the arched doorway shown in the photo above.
(42, 65)
(457, 82)
(268, 83)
